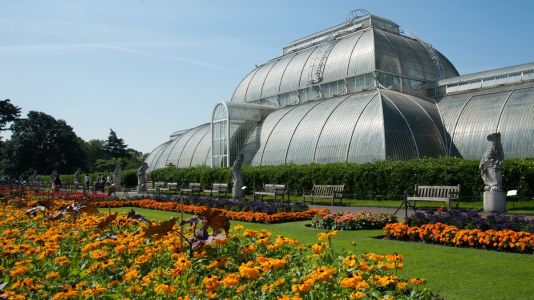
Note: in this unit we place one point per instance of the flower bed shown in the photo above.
(439, 233)
(258, 217)
(352, 221)
(471, 219)
(103, 257)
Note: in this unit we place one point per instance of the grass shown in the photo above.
(458, 273)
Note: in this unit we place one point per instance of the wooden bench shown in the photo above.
(332, 192)
(172, 187)
(194, 188)
(435, 193)
(218, 188)
(271, 190)
(157, 188)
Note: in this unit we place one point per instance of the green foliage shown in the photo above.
(8, 113)
(129, 177)
(42, 143)
(114, 146)
(379, 180)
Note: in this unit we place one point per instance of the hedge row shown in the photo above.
(379, 180)
(129, 177)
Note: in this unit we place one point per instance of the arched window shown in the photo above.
(219, 136)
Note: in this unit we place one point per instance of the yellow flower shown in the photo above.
(19, 271)
(318, 248)
(230, 279)
(250, 232)
(62, 260)
(98, 254)
(131, 275)
(52, 275)
(417, 281)
(323, 236)
(350, 281)
(323, 273)
(210, 282)
(356, 296)
(164, 289)
(402, 285)
(238, 227)
(249, 271)
(94, 291)
(350, 261)
(304, 287)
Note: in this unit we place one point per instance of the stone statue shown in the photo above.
(237, 178)
(77, 177)
(141, 177)
(491, 164)
(52, 178)
(117, 177)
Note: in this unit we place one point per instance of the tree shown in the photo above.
(95, 150)
(8, 113)
(115, 147)
(43, 144)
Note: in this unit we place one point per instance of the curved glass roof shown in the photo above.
(365, 51)
(353, 93)
(471, 117)
(362, 127)
(188, 148)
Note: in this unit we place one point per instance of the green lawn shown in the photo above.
(457, 273)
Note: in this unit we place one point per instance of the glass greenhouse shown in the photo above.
(362, 91)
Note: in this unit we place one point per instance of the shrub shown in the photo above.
(471, 219)
(352, 221)
(378, 180)
(439, 233)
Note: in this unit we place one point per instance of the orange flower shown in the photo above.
(230, 279)
(164, 289)
(417, 281)
(210, 282)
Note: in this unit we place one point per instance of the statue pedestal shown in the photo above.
(494, 201)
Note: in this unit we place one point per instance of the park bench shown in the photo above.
(332, 192)
(271, 190)
(218, 188)
(157, 188)
(435, 193)
(194, 188)
(431, 193)
(172, 187)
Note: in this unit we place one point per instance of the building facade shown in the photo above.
(361, 91)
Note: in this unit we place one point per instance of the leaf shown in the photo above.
(56, 216)
(89, 209)
(160, 229)
(110, 236)
(107, 221)
(32, 212)
(3, 285)
(216, 221)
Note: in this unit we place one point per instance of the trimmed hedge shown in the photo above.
(129, 177)
(378, 180)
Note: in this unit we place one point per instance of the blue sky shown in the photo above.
(148, 68)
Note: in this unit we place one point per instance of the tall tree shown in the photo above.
(95, 150)
(115, 146)
(43, 143)
(8, 113)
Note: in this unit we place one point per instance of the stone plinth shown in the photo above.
(494, 201)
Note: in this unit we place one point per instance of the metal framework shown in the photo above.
(360, 91)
